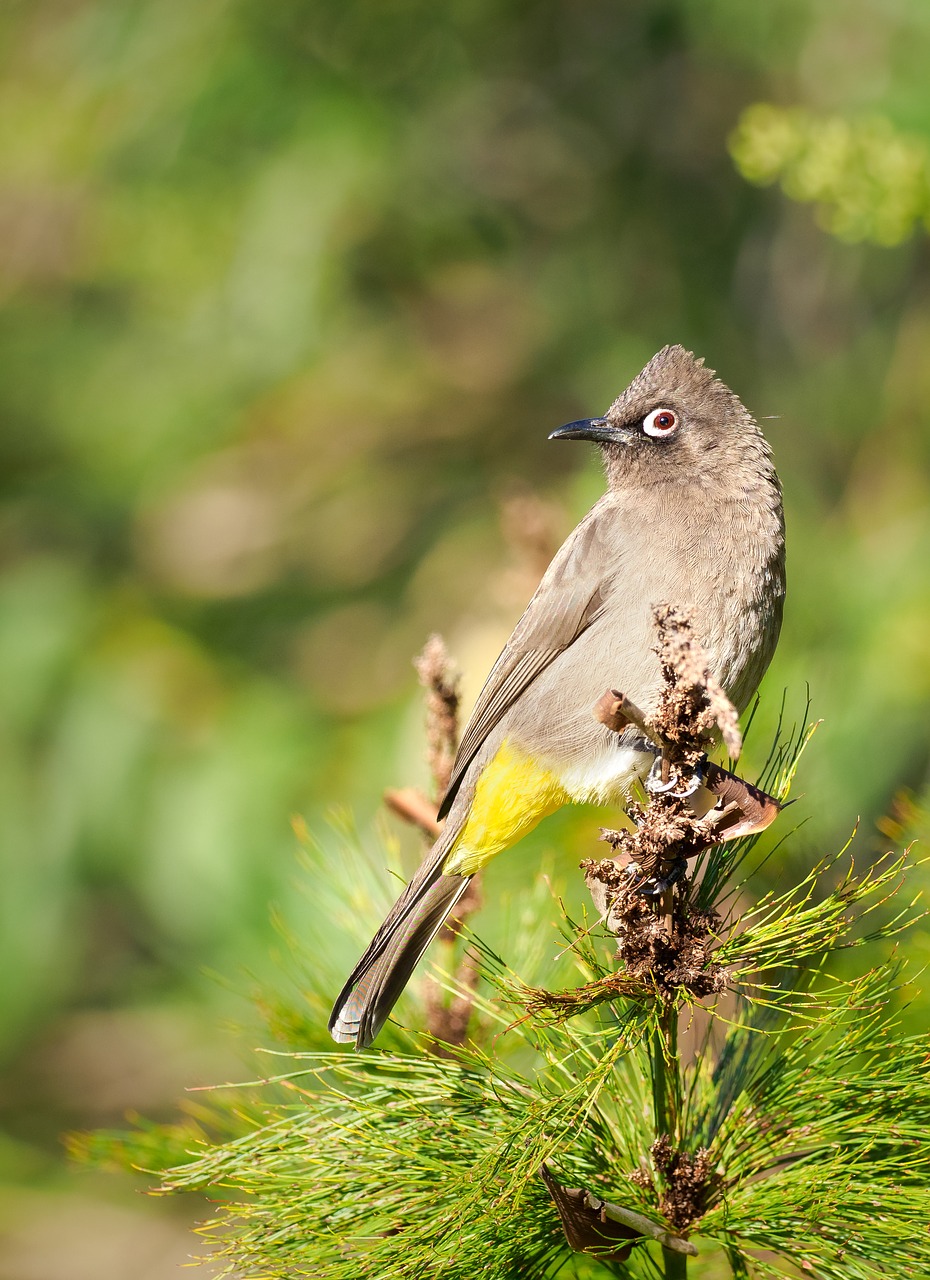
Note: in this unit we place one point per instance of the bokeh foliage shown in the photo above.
(290, 296)
(870, 181)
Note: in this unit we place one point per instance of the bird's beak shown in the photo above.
(598, 429)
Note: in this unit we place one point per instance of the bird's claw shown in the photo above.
(655, 886)
(655, 786)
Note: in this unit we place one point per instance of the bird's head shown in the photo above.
(675, 420)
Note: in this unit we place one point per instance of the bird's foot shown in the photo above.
(675, 785)
(655, 886)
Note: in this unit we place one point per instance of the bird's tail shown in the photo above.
(378, 979)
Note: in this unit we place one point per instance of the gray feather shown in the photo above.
(567, 601)
(377, 980)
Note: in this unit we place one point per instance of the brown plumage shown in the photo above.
(692, 517)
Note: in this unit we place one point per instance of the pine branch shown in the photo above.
(725, 1075)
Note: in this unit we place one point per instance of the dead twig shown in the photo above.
(615, 710)
(592, 1225)
(694, 700)
(446, 1021)
(641, 892)
(665, 942)
(441, 682)
(413, 807)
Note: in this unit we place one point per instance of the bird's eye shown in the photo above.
(661, 422)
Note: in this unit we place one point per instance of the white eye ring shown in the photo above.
(660, 423)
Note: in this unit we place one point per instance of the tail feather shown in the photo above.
(378, 979)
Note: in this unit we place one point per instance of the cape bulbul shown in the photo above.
(692, 517)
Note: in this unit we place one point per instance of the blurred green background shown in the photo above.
(290, 296)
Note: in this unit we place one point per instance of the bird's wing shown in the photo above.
(567, 601)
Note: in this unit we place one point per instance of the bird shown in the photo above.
(692, 517)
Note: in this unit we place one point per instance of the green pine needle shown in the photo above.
(803, 1104)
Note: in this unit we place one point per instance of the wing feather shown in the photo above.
(567, 601)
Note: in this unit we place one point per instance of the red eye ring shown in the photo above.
(661, 422)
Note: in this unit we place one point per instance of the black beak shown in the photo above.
(598, 429)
